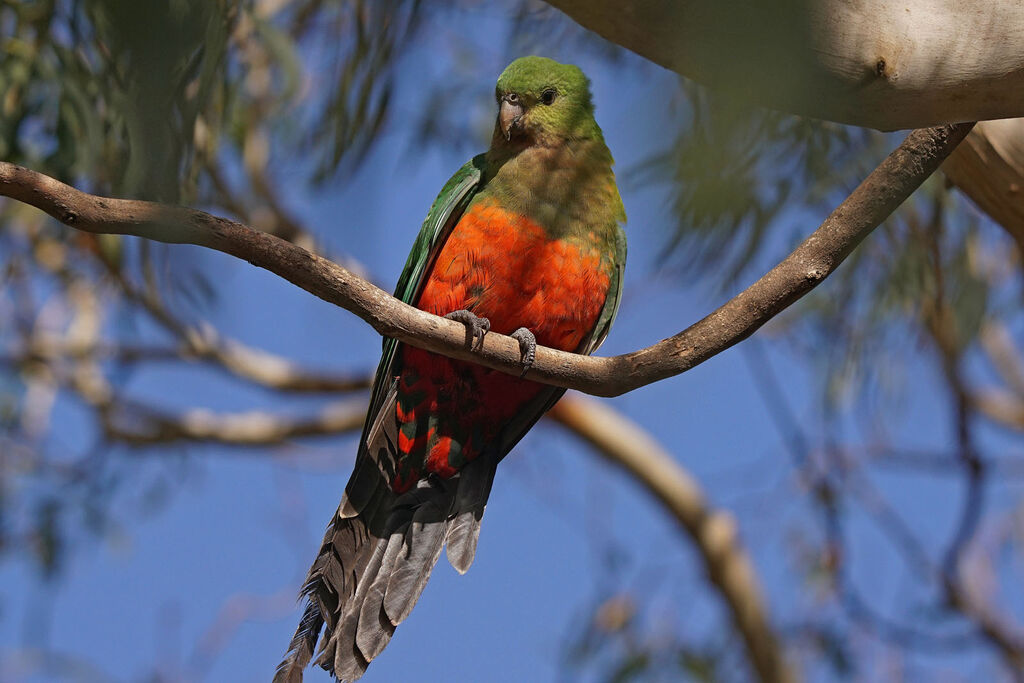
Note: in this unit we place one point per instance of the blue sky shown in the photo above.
(224, 554)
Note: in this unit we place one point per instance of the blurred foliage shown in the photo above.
(110, 91)
(616, 645)
(733, 169)
(358, 102)
(927, 271)
(643, 637)
(133, 98)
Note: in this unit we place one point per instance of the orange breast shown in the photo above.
(504, 267)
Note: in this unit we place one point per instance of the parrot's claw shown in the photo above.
(527, 348)
(476, 327)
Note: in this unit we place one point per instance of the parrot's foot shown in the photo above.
(476, 327)
(527, 348)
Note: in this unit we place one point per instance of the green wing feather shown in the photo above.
(444, 213)
(611, 303)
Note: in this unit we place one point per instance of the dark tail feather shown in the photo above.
(375, 561)
(422, 544)
(301, 649)
(341, 656)
(470, 499)
(347, 549)
(417, 523)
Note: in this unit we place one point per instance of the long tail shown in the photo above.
(375, 560)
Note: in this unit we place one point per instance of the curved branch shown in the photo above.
(713, 532)
(138, 425)
(809, 264)
(1002, 353)
(1000, 406)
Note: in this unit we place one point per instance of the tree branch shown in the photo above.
(713, 532)
(989, 168)
(817, 257)
(871, 63)
(1002, 353)
(204, 343)
(137, 425)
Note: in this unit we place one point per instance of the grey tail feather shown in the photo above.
(301, 649)
(346, 549)
(374, 564)
(468, 511)
(401, 563)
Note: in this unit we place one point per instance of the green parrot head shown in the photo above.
(541, 101)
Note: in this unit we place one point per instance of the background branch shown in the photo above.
(713, 532)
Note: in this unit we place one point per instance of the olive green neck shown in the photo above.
(567, 188)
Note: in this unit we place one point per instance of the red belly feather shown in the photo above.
(503, 267)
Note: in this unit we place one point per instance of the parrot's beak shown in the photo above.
(510, 115)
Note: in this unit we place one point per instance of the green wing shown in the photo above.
(611, 303)
(443, 215)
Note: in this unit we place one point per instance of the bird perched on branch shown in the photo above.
(524, 240)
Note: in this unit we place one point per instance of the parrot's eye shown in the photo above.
(548, 96)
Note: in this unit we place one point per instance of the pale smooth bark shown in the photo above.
(989, 168)
(873, 63)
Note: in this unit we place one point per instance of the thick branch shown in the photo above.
(713, 532)
(817, 257)
(989, 168)
(874, 63)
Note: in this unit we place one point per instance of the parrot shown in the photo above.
(526, 240)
